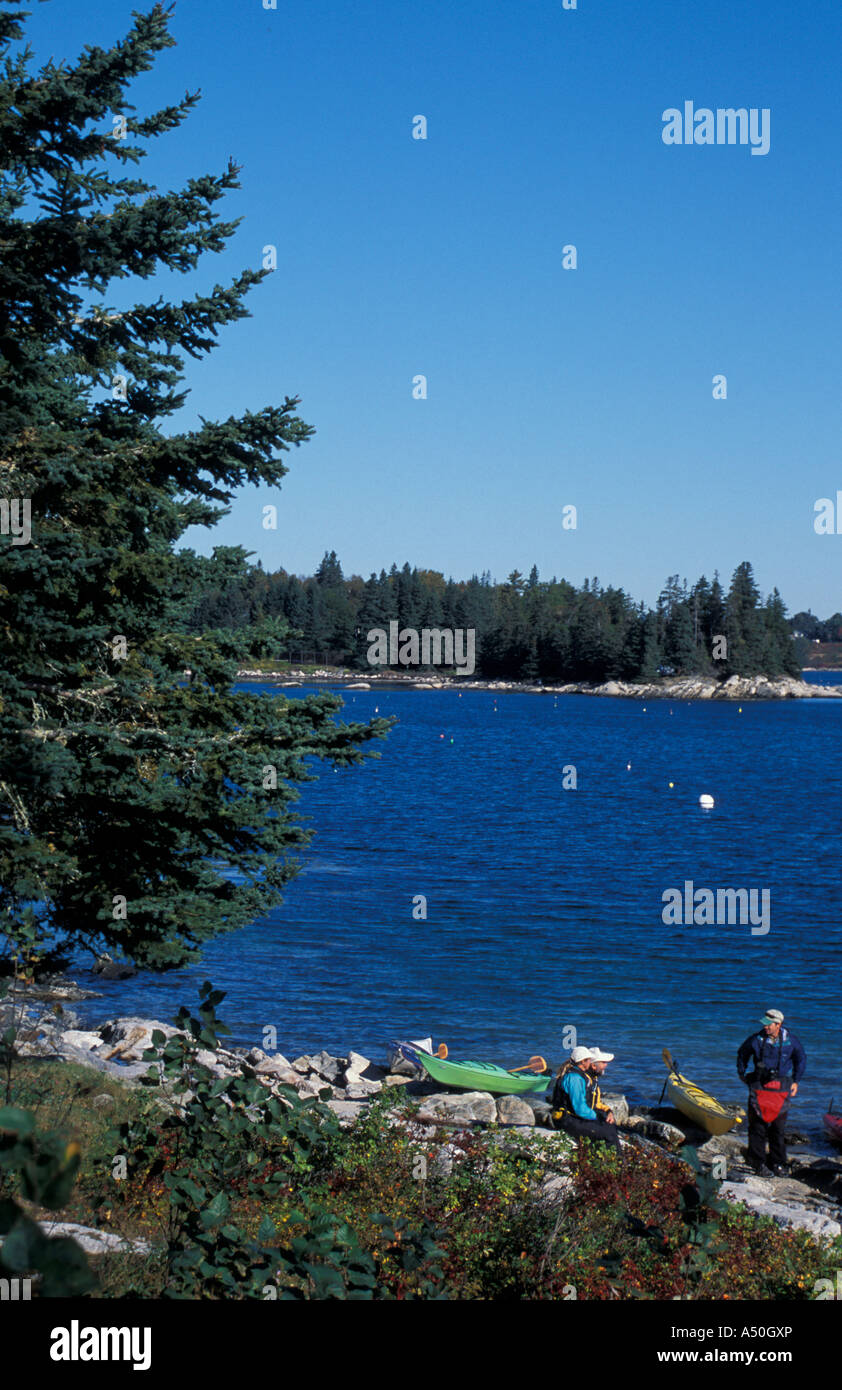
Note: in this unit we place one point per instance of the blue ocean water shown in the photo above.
(544, 905)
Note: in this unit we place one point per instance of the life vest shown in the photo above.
(769, 1100)
(562, 1104)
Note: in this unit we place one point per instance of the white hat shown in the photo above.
(597, 1056)
(772, 1016)
(581, 1054)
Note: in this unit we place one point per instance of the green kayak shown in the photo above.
(475, 1076)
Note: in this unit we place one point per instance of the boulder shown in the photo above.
(542, 1111)
(204, 1058)
(511, 1110)
(346, 1111)
(326, 1065)
(113, 970)
(441, 1164)
(752, 1195)
(461, 1108)
(103, 1101)
(359, 1090)
(355, 1066)
(219, 1064)
(657, 1130)
(93, 1241)
(130, 1037)
(277, 1065)
(821, 1175)
(731, 1146)
(86, 1041)
(312, 1086)
(618, 1104)
(557, 1187)
(287, 1078)
(66, 1052)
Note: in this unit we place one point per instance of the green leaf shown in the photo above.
(16, 1121)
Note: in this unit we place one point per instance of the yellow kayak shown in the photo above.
(700, 1107)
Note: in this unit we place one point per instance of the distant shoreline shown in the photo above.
(669, 688)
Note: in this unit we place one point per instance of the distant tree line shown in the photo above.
(815, 629)
(526, 628)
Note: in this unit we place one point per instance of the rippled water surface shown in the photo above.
(544, 904)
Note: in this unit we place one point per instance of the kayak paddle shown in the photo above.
(667, 1056)
(536, 1064)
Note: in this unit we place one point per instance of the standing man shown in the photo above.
(771, 1062)
(576, 1105)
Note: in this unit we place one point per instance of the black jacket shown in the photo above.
(761, 1058)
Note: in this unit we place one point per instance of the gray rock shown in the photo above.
(86, 1041)
(204, 1058)
(93, 1241)
(278, 1065)
(462, 1108)
(130, 1037)
(557, 1187)
(618, 1104)
(326, 1065)
(543, 1113)
(752, 1193)
(303, 1064)
(355, 1066)
(390, 1079)
(65, 1052)
(313, 1086)
(657, 1130)
(345, 1110)
(359, 1090)
(103, 1101)
(511, 1110)
(820, 1174)
(113, 970)
(441, 1164)
(731, 1146)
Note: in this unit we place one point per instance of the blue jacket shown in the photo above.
(578, 1090)
(778, 1056)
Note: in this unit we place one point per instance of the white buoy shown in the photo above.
(707, 801)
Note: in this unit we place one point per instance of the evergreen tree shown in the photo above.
(329, 574)
(652, 654)
(744, 625)
(123, 787)
(679, 647)
(781, 658)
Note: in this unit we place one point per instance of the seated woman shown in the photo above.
(577, 1105)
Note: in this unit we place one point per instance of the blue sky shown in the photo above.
(443, 257)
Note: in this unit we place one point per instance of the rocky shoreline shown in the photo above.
(809, 1198)
(676, 688)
